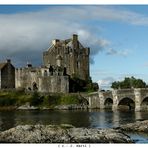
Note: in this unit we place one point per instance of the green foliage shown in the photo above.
(53, 99)
(10, 98)
(60, 99)
(69, 99)
(129, 83)
(36, 99)
(18, 98)
(79, 85)
(7, 101)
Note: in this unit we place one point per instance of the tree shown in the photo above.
(79, 85)
(128, 83)
(36, 99)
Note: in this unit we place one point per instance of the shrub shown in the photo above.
(54, 99)
(7, 101)
(36, 99)
(69, 99)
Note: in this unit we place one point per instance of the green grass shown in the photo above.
(69, 99)
(13, 98)
(50, 100)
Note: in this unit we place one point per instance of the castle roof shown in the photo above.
(66, 43)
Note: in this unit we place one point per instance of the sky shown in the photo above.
(116, 35)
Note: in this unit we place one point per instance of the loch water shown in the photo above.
(78, 118)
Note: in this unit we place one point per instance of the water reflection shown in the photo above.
(7, 120)
(91, 118)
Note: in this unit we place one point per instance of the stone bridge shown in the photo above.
(136, 99)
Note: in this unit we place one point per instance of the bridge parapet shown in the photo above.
(125, 91)
(106, 94)
(144, 93)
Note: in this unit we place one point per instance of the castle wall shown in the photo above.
(54, 84)
(27, 78)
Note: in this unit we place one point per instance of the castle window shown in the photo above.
(64, 72)
(51, 70)
(45, 73)
(78, 64)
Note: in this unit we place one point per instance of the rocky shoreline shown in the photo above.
(62, 134)
(66, 133)
(58, 107)
(138, 126)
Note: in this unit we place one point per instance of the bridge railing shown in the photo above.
(124, 91)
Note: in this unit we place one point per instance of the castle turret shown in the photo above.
(75, 41)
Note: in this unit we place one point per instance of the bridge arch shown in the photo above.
(108, 103)
(126, 103)
(144, 104)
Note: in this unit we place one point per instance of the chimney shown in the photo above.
(29, 65)
(8, 61)
(75, 41)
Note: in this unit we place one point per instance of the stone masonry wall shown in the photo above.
(27, 78)
(54, 84)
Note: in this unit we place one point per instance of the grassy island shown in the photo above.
(14, 99)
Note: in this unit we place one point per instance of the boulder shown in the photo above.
(62, 134)
(27, 107)
(138, 126)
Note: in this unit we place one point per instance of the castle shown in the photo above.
(63, 60)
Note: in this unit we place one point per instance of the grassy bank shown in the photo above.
(18, 98)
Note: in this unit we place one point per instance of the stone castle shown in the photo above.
(63, 60)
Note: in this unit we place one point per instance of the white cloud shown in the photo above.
(126, 16)
(23, 36)
(105, 83)
(111, 51)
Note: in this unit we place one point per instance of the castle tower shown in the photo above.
(73, 56)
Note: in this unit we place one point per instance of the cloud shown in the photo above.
(25, 35)
(111, 51)
(29, 33)
(106, 82)
(111, 14)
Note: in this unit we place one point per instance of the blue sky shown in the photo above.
(116, 34)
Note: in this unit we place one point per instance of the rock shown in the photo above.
(70, 107)
(138, 126)
(62, 134)
(27, 107)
